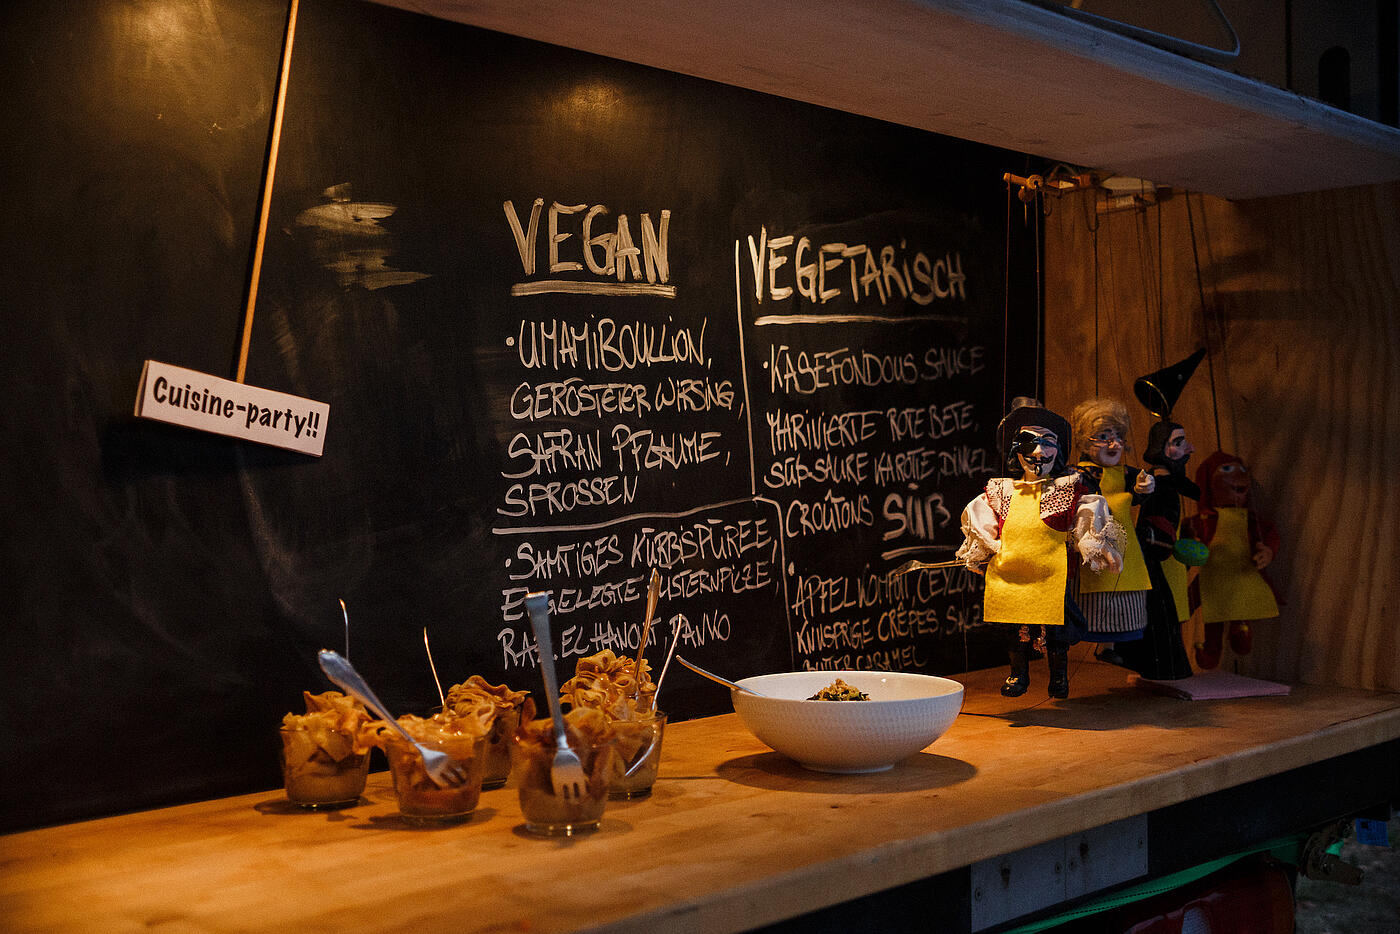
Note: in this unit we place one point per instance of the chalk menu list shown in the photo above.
(639, 322)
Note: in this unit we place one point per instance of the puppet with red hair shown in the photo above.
(1232, 589)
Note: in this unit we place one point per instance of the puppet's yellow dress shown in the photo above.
(1021, 530)
(1231, 586)
(1113, 486)
(1026, 577)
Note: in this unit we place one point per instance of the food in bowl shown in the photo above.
(321, 766)
(905, 714)
(839, 690)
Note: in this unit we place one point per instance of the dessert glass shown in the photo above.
(546, 814)
(498, 747)
(476, 696)
(321, 769)
(639, 756)
(420, 798)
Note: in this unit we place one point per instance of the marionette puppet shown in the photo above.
(1020, 527)
(1114, 602)
(1161, 653)
(1232, 590)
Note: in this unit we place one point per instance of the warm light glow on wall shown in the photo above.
(592, 103)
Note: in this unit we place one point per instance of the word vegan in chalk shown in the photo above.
(611, 256)
(197, 400)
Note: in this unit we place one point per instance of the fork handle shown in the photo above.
(537, 604)
(338, 669)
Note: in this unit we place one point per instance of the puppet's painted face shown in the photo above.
(1178, 449)
(1229, 485)
(1106, 447)
(1036, 449)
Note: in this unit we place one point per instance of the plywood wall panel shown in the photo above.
(1296, 301)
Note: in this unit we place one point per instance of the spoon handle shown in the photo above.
(716, 678)
(340, 671)
(537, 604)
(653, 594)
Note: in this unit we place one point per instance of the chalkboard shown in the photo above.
(578, 319)
(575, 320)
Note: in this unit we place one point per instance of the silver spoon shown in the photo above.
(675, 641)
(441, 768)
(717, 679)
(916, 565)
(653, 593)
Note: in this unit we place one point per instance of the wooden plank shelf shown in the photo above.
(1002, 72)
(734, 836)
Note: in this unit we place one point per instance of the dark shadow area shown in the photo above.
(775, 772)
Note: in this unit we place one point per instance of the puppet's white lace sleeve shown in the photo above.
(1099, 537)
(979, 527)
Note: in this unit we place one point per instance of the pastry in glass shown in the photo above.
(465, 699)
(422, 800)
(638, 756)
(322, 768)
(621, 690)
(546, 813)
(614, 684)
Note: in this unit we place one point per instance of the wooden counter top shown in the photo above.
(733, 837)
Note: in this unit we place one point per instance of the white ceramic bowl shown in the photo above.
(905, 713)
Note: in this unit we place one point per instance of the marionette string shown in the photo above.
(1039, 306)
(1205, 325)
(1161, 296)
(1090, 210)
(1006, 305)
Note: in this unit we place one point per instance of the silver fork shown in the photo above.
(566, 773)
(441, 768)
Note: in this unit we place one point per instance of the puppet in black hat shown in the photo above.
(1161, 653)
(1019, 528)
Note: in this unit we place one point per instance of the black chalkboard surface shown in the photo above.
(575, 320)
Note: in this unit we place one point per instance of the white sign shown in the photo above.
(197, 400)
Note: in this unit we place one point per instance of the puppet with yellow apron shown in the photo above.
(1114, 603)
(1233, 589)
(1022, 528)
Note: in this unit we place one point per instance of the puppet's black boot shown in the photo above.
(1020, 678)
(1059, 672)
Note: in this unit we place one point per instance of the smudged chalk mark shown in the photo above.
(351, 243)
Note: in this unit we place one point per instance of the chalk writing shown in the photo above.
(604, 344)
(804, 372)
(851, 446)
(612, 253)
(795, 431)
(574, 398)
(831, 513)
(830, 271)
(576, 640)
(557, 498)
(708, 541)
